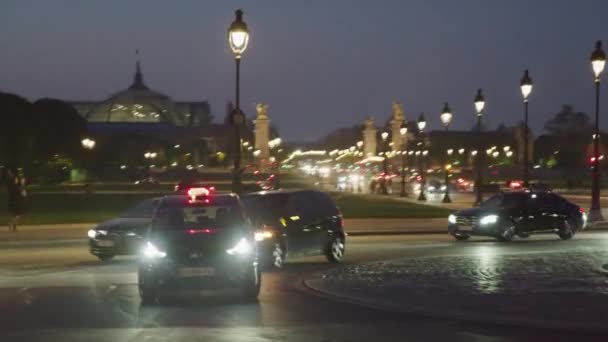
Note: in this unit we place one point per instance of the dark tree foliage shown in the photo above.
(16, 130)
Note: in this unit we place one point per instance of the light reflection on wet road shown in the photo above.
(80, 298)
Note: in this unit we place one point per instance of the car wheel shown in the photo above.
(506, 234)
(335, 250)
(461, 237)
(105, 257)
(148, 296)
(567, 231)
(253, 282)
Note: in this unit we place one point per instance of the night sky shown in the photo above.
(319, 64)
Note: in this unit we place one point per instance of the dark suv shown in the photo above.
(300, 222)
(199, 243)
(505, 216)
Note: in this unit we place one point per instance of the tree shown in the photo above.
(58, 127)
(568, 123)
(16, 130)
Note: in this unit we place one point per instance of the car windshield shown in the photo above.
(143, 209)
(193, 216)
(266, 208)
(505, 201)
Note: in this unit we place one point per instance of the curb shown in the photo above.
(41, 242)
(463, 316)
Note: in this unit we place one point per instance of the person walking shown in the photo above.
(15, 186)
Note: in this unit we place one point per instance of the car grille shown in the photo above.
(466, 221)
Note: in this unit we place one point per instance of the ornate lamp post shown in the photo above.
(383, 183)
(421, 123)
(274, 144)
(403, 133)
(598, 62)
(88, 144)
(446, 118)
(526, 89)
(480, 104)
(238, 38)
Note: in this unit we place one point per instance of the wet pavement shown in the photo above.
(535, 282)
(59, 292)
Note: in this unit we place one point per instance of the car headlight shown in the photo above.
(152, 252)
(490, 219)
(262, 235)
(452, 219)
(431, 188)
(242, 247)
(93, 233)
(443, 187)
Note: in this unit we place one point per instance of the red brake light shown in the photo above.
(200, 231)
(581, 210)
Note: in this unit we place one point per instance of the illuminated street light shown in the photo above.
(446, 116)
(526, 88)
(238, 39)
(403, 133)
(480, 104)
(359, 144)
(384, 135)
(446, 119)
(421, 123)
(598, 61)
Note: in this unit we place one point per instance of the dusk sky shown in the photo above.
(318, 64)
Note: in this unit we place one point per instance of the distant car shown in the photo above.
(122, 235)
(505, 216)
(147, 180)
(295, 222)
(435, 187)
(183, 186)
(463, 184)
(199, 242)
(515, 184)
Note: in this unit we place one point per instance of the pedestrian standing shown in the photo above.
(15, 186)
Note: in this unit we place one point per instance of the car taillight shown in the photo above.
(200, 231)
(581, 210)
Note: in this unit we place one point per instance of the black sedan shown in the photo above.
(122, 235)
(505, 216)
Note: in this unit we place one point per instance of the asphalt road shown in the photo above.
(57, 292)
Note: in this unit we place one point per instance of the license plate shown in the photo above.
(196, 271)
(105, 243)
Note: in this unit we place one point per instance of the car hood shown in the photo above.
(476, 212)
(125, 224)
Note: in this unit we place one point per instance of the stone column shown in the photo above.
(369, 138)
(396, 121)
(262, 133)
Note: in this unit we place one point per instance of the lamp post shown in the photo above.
(238, 38)
(88, 144)
(480, 104)
(383, 183)
(421, 123)
(403, 133)
(274, 144)
(446, 119)
(526, 89)
(598, 61)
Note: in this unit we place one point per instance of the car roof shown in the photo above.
(176, 199)
(280, 191)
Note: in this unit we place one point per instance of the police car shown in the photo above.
(199, 241)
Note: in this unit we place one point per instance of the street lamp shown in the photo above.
(88, 144)
(446, 118)
(480, 104)
(403, 133)
(238, 39)
(421, 123)
(274, 144)
(526, 89)
(598, 61)
(384, 186)
(359, 144)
